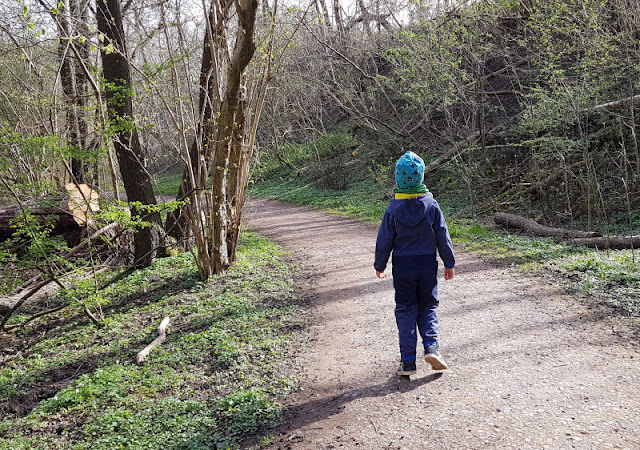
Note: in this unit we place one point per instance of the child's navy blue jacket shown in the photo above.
(413, 227)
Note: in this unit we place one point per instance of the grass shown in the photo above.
(613, 275)
(168, 184)
(363, 200)
(228, 360)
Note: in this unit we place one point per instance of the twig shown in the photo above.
(89, 314)
(34, 317)
(162, 335)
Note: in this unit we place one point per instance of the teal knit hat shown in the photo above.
(409, 171)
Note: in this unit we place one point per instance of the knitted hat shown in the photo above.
(409, 171)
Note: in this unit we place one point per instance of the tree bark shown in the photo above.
(337, 17)
(137, 182)
(216, 156)
(228, 122)
(176, 225)
(79, 130)
(71, 19)
(64, 223)
(68, 213)
(533, 227)
(610, 242)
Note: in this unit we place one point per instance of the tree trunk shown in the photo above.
(231, 119)
(195, 171)
(610, 242)
(63, 221)
(533, 227)
(68, 213)
(79, 130)
(337, 17)
(176, 225)
(213, 212)
(137, 182)
(235, 193)
(71, 20)
(73, 114)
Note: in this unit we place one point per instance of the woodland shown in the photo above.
(134, 131)
(527, 106)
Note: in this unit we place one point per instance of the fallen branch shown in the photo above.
(92, 317)
(614, 104)
(23, 299)
(162, 335)
(533, 227)
(90, 239)
(38, 285)
(72, 252)
(611, 242)
(34, 317)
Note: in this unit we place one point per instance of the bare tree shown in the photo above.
(220, 139)
(230, 104)
(136, 179)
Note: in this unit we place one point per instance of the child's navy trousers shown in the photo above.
(416, 285)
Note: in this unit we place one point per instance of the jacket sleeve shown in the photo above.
(443, 240)
(384, 243)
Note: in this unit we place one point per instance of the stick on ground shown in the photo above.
(162, 335)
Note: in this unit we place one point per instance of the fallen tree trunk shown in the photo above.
(64, 223)
(610, 242)
(22, 299)
(533, 227)
(69, 212)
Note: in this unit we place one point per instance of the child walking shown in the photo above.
(414, 229)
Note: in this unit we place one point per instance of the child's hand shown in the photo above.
(449, 273)
(381, 274)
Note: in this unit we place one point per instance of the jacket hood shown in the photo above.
(411, 211)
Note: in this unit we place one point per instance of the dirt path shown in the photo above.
(530, 367)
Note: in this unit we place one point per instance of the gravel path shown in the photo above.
(531, 367)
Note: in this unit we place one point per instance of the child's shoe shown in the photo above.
(407, 368)
(432, 356)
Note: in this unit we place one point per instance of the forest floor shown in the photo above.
(531, 366)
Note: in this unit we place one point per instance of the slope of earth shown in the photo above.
(530, 366)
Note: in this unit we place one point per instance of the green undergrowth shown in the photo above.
(168, 184)
(613, 276)
(227, 362)
(363, 200)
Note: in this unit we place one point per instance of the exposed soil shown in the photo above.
(531, 367)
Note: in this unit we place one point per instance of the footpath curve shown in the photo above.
(531, 367)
